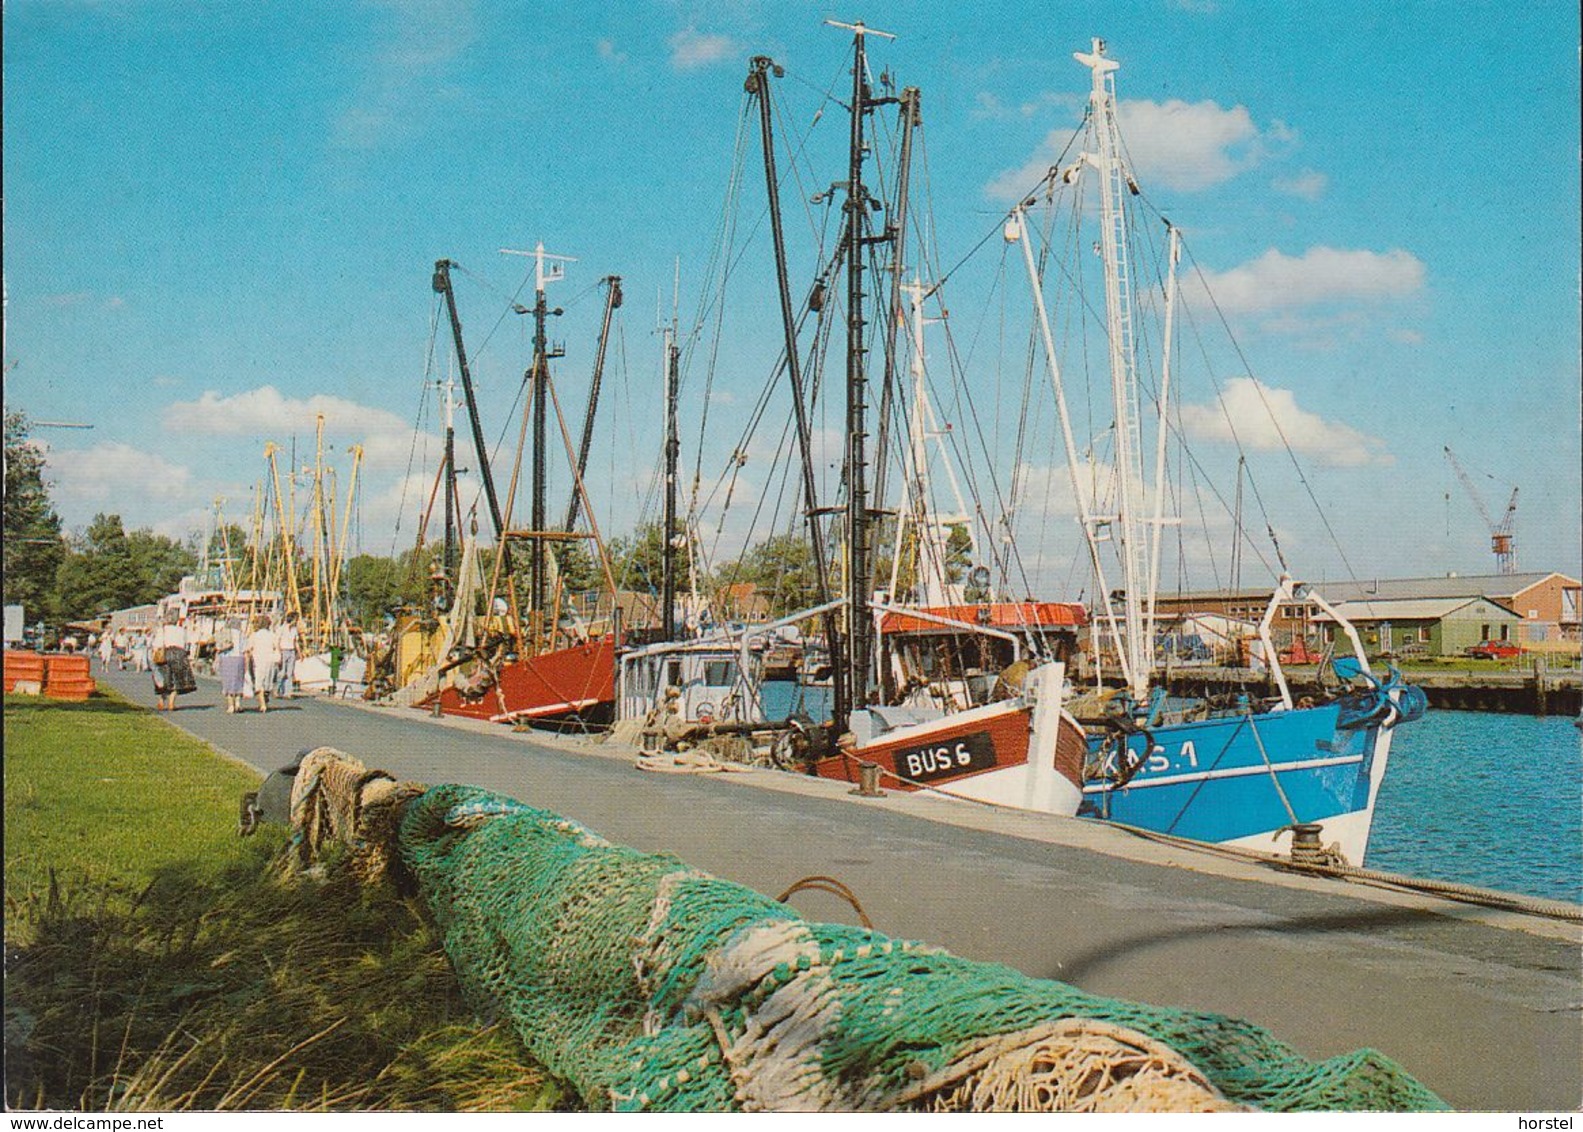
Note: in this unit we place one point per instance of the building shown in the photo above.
(1546, 604)
(1429, 616)
(1407, 627)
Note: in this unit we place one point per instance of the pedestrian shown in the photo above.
(106, 651)
(288, 637)
(263, 650)
(232, 664)
(172, 671)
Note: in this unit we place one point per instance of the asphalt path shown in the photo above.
(1485, 1008)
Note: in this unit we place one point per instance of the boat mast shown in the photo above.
(673, 448)
(612, 302)
(1161, 520)
(448, 391)
(860, 630)
(1113, 181)
(539, 376)
(758, 84)
(442, 286)
(911, 117)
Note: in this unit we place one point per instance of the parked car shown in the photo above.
(1494, 650)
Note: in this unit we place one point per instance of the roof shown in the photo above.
(1458, 585)
(1410, 609)
(991, 615)
(1391, 589)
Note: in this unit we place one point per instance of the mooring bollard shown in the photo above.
(868, 781)
(1306, 849)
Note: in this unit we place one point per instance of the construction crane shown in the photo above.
(1503, 537)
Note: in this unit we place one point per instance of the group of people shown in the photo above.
(121, 648)
(258, 660)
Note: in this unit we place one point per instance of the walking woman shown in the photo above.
(172, 671)
(263, 649)
(232, 664)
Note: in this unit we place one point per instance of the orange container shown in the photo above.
(74, 693)
(21, 664)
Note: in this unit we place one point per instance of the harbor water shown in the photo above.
(1481, 798)
(1493, 800)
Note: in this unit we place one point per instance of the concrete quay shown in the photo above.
(1520, 691)
(1485, 1007)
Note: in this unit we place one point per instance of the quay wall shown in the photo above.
(1520, 692)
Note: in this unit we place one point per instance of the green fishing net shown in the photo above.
(647, 985)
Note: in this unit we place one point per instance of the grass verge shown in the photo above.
(155, 961)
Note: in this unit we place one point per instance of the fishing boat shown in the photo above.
(996, 739)
(541, 664)
(977, 696)
(1238, 772)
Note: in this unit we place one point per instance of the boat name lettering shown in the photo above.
(946, 760)
(1160, 761)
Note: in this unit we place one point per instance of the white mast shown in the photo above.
(1017, 230)
(1173, 254)
(1114, 181)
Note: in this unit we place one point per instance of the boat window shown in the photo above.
(673, 673)
(720, 673)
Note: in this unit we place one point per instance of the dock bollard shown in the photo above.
(868, 781)
(1306, 849)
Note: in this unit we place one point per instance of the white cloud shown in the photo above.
(265, 413)
(1174, 144)
(144, 488)
(691, 48)
(1276, 281)
(1263, 418)
(609, 53)
(1310, 184)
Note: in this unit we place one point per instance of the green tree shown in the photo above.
(638, 561)
(579, 571)
(97, 574)
(33, 546)
(158, 565)
(230, 556)
(782, 569)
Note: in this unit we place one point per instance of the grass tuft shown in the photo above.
(156, 962)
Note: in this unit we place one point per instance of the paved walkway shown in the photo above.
(1485, 1008)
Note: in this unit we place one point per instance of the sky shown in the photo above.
(220, 224)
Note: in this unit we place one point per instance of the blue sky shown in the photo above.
(220, 222)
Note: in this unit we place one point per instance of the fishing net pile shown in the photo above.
(648, 985)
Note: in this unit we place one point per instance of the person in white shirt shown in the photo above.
(172, 672)
(263, 651)
(287, 639)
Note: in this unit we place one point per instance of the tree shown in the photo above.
(34, 549)
(579, 572)
(158, 565)
(638, 561)
(230, 556)
(782, 569)
(96, 575)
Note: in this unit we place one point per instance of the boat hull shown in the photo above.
(576, 681)
(982, 754)
(1241, 779)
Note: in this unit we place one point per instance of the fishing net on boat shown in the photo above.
(648, 985)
